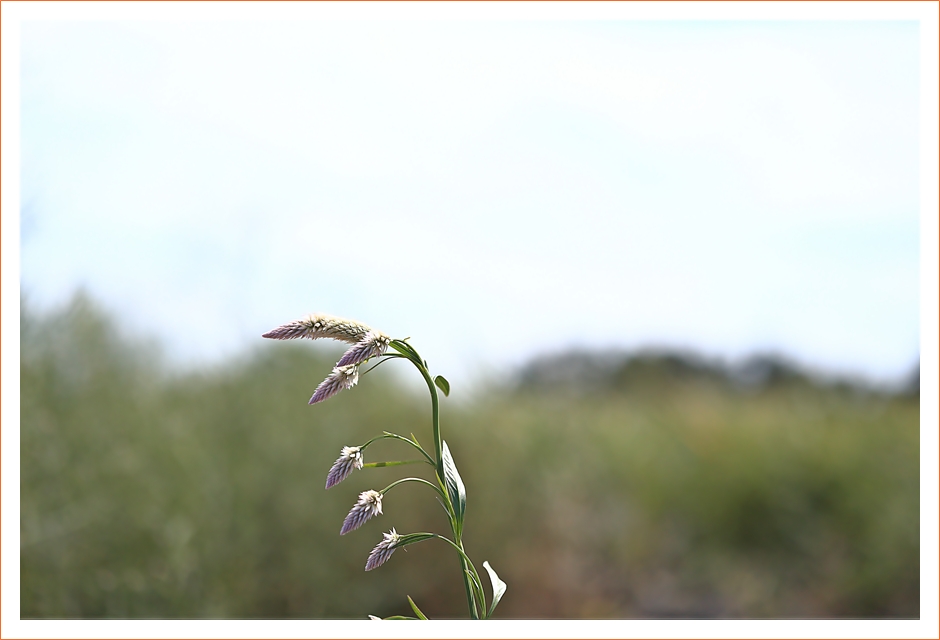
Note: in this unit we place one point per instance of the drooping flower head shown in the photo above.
(320, 325)
(369, 504)
(367, 343)
(383, 550)
(374, 343)
(350, 458)
(344, 377)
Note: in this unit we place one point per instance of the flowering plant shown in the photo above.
(366, 344)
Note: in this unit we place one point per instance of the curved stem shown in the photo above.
(421, 480)
(409, 441)
(467, 562)
(438, 450)
(384, 358)
(370, 441)
(425, 535)
(463, 554)
(439, 453)
(411, 354)
(435, 420)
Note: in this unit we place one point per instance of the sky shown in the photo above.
(493, 189)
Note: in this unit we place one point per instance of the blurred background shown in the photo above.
(669, 268)
(646, 485)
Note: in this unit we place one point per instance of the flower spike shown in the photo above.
(344, 377)
(383, 550)
(320, 325)
(369, 504)
(350, 458)
(372, 344)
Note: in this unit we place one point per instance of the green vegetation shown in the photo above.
(662, 489)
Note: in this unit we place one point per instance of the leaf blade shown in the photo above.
(443, 385)
(455, 487)
(390, 463)
(415, 608)
(499, 587)
(406, 350)
(413, 538)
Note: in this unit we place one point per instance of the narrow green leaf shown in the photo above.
(478, 595)
(385, 358)
(415, 608)
(400, 618)
(455, 488)
(406, 350)
(450, 518)
(499, 587)
(442, 384)
(391, 463)
(411, 538)
(415, 440)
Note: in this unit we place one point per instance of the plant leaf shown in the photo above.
(499, 587)
(455, 488)
(442, 384)
(478, 595)
(415, 608)
(391, 463)
(406, 350)
(412, 538)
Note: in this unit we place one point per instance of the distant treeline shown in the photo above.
(583, 370)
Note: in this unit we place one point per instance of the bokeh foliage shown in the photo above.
(663, 488)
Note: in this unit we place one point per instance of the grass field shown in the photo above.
(662, 491)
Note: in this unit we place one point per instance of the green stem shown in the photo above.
(435, 421)
(371, 440)
(438, 451)
(414, 444)
(421, 480)
(409, 352)
(466, 562)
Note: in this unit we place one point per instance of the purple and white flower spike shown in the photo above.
(349, 459)
(370, 504)
(320, 325)
(342, 378)
(383, 550)
(372, 344)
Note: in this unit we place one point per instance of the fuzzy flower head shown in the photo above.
(344, 377)
(320, 325)
(383, 550)
(370, 504)
(374, 343)
(350, 458)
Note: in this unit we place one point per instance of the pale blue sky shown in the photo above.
(491, 189)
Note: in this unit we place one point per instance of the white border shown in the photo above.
(13, 13)
(929, 317)
(9, 320)
(462, 10)
(466, 629)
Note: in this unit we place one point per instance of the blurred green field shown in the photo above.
(663, 491)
